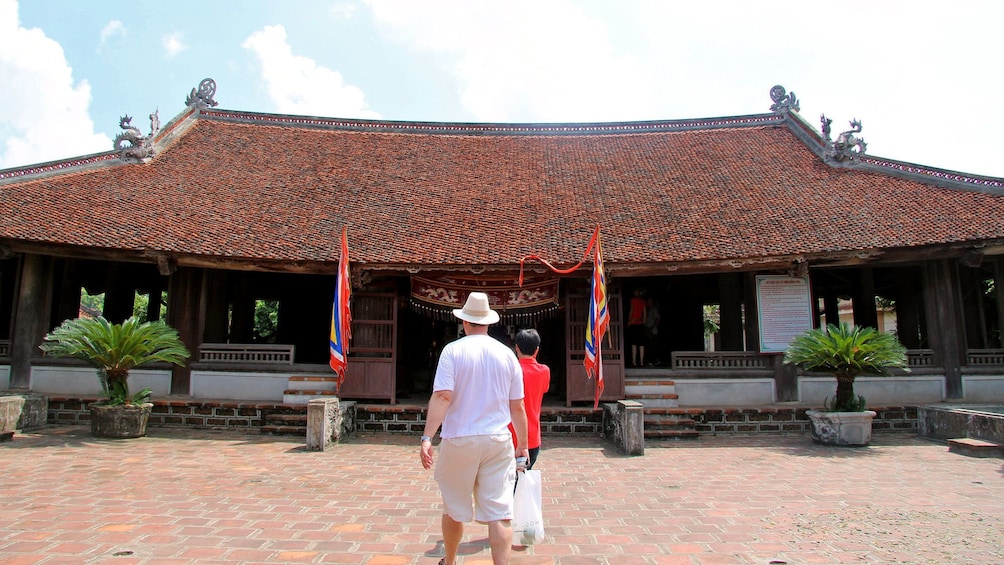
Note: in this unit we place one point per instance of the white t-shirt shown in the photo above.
(484, 375)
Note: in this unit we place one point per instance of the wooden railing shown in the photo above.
(984, 357)
(719, 360)
(246, 353)
(919, 358)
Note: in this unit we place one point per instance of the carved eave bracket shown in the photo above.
(141, 147)
(202, 96)
(847, 148)
(784, 101)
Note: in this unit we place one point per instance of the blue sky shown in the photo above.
(922, 76)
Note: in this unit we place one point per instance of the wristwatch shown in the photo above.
(426, 438)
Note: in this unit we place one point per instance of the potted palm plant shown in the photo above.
(845, 352)
(115, 349)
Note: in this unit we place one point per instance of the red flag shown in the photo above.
(341, 316)
(597, 322)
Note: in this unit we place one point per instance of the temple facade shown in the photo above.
(741, 231)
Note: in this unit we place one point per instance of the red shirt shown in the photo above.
(536, 381)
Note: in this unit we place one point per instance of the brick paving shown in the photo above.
(212, 497)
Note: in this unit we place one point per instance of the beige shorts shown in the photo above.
(479, 470)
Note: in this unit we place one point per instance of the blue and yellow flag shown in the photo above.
(341, 316)
(598, 320)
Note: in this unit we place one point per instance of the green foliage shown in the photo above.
(115, 349)
(266, 320)
(847, 352)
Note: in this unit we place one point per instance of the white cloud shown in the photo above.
(342, 10)
(172, 44)
(43, 114)
(297, 85)
(525, 60)
(111, 29)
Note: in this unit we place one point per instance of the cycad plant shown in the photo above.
(847, 352)
(115, 349)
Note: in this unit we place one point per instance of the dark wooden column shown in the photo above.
(752, 313)
(217, 307)
(865, 313)
(943, 308)
(998, 270)
(831, 307)
(67, 297)
(31, 321)
(909, 302)
(242, 320)
(8, 294)
(120, 294)
(730, 288)
(184, 313)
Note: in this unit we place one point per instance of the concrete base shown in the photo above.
(624, 424)
(326, 422)
(22, 411)
(841, 428)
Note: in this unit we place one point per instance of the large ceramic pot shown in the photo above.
(121, 421)
(841, 428)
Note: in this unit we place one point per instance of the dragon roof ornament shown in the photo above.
(784, 101)
(202, 96)
(847, 148)
(140, 146)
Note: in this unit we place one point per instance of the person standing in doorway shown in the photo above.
(536, 382)
(652, 320)
(636, 328)
(478, 391)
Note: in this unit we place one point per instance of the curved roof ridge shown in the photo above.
(490, 128)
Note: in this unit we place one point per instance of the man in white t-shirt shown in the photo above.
(478, 390)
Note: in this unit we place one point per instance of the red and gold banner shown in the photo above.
(441, 295)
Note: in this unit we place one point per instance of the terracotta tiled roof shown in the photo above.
(279, 188)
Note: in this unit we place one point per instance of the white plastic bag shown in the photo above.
(527, 516)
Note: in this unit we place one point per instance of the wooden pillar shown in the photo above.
(242, 319)
(865, 313)
(998, 270)
(184, 313)
(8, 292)
(909, 300)
(730, 287)
(120, 294)
(31, 322)
(68, 295)
(943, 308)
(217, 307)
(752, 314)
(973, 310)
(831, 307)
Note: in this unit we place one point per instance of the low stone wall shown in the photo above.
(401, 419)
(243, 416)
(775, 420)
(22, 411)
(624, 425)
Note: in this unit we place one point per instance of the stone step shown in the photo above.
(666, 400)
(285, 425)
(668, 423)
(284, 430)
(308, 382)
(302, 397)
(973, 447)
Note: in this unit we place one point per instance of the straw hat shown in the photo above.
(477, 310)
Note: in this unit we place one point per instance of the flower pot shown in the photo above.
(841, 428)
(121, 421)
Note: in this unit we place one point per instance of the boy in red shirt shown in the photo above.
(536, 381)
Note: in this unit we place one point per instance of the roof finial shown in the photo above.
(204, 95)
(784, 102)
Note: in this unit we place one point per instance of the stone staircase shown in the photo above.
(664, 420)
(300, 389)
(285, 425)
